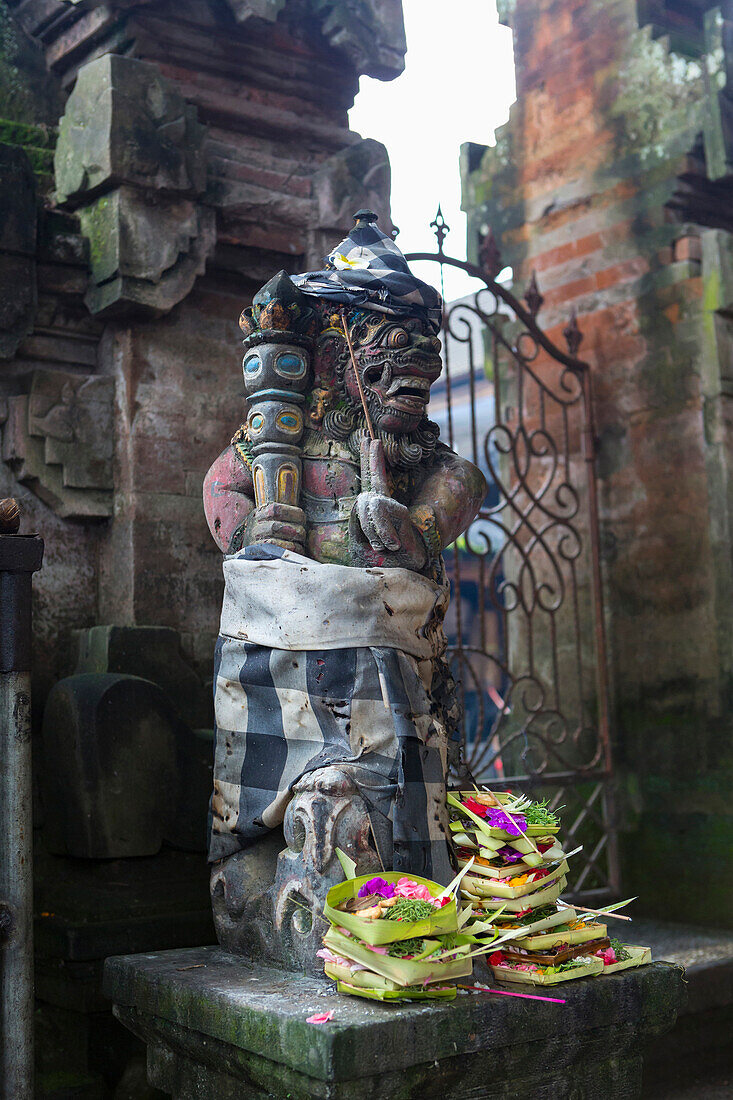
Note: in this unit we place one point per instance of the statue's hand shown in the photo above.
(383, 520)
(281, 524)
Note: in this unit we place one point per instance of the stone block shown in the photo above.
(59, 441)
(130, 156)
(109, 752)
(119, 772)
(370, 32)
(358, 177)
(218, 1028)
(87, 909)
(150, 652)
(143, 254)
(17, 300)
(28, 91)
(125, 124)
(18, 294)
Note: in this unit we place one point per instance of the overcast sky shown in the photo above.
(457, 86)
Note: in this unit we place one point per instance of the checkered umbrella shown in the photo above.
(368, 270)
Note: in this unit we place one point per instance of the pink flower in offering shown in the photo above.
(329, 957)
(407, 888)
(320, 1017)
(608, 955)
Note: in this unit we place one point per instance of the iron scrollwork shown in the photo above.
(527, 634)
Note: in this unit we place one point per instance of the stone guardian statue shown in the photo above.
(333, 503)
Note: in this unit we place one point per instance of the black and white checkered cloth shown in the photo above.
(281, 713)
(368, 270)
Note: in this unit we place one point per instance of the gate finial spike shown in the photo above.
(490, 256)
(532, 296)
(573, 335)
(440, 227)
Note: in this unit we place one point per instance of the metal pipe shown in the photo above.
(20, 557)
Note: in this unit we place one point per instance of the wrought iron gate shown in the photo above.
(526, 628)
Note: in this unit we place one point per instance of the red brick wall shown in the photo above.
(577, 190)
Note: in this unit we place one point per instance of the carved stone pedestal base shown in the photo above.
(218, 1028)
(267, 899)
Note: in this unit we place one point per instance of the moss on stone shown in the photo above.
(28, 93)
(41, 160)
(657, 93)
(692, 858)
(21, 133)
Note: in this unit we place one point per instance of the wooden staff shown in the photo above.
(362, 395)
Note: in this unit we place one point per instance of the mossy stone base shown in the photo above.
(219, 1028)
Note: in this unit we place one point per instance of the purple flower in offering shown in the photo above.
(377, 886)
(509, 854)
(512, 825)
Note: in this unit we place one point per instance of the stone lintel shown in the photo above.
(223, 1027)
(371, 33)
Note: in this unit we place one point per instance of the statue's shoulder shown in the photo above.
(469, 474)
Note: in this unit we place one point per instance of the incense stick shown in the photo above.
(506, 993)
(362, 395)
(597, 912)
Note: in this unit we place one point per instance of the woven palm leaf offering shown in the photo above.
(517, 873)
(512, 842)
(396, 937)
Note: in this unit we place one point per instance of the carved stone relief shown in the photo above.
(58, 439)
(130, 157)
(370, 32)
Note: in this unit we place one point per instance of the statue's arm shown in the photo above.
(449, 498)
(233, 519)
(446, 502)
(228, 500)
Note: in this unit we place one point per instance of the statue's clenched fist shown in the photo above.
(384, 521)
(279, 523)
(380, 517)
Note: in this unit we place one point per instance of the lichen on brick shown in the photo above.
(658, 95)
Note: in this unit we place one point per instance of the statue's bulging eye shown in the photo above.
(397, 338)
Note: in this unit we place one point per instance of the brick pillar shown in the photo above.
(581, 189)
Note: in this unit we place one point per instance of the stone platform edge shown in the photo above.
(263, 1012)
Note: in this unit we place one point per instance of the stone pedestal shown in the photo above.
(218, 1028)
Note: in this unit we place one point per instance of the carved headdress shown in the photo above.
(367, 270)
(369, 275)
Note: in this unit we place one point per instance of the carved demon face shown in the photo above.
(398, 360)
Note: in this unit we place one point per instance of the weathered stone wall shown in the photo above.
(200, 148)
(159, 162)
(597, 183)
